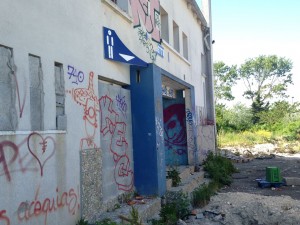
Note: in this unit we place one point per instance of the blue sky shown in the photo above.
(245, 29)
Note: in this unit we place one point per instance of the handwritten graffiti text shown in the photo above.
(40, 150)
(87, 98)
(146, 13)
(35, 208)
(110, 125)
(121, 104)
(143, 37)
(78, 76)
(189, 117)
(4, 218)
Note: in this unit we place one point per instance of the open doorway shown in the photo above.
(175, 136)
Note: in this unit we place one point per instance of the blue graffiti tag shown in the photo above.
(72, 72)
(189, 117)
(121, 104)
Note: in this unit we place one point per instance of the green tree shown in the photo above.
(225, 78)
(265, 78)
(237, 118)
(279, 112)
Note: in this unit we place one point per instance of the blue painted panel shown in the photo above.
(175, 136)
(115, 49)
(146, 102)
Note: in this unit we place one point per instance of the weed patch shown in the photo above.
(173, 174)
(219, 169)
(201, 195)
(177, 207)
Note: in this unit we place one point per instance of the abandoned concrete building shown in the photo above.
(97, 99)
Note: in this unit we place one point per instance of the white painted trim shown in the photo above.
(117, 9)
(168, 46)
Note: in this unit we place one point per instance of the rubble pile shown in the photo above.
(243, 208)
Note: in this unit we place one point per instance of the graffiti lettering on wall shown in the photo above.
(121, 104)
(110, 125)
(43, 207)
(143, 37)
(168, 91)
(86, 98)
(159, 131)
(146, 13)
(191, 135)
(189, 117)
(77, 76)
(4, 218)
(175, 129)
(146, 18)
(37, 207)
(40, 150)
(159, 128)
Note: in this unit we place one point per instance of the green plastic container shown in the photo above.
(273, 174)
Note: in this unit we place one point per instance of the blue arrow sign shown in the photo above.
(114, 49)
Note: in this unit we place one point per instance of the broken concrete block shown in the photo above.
(181, 222)
(200, 216)
(292, 181)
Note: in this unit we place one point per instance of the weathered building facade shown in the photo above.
(97, 98)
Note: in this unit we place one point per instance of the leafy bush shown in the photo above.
(134, 217)
(219, 169)
(177, 207)
(82, 221)
(174, 175)
(168, 214)
(181, 203)
(201, 195)
(237, 118)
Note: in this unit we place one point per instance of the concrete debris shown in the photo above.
(181, 222)
(250, 209)
(292, 181)
(248, 153)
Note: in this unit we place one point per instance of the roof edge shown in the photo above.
(195, 9)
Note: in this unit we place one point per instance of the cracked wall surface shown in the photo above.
(36, 93)
(8, 113)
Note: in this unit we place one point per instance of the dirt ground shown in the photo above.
(245, 203)
(245, 180)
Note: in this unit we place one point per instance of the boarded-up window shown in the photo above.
(164, 24)
(185, 46)
(123, 4)
(176, 37)
(36, 93)
(8, 114)
(60, 97)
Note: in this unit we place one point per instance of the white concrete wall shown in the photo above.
(40, 171)
(180, 12)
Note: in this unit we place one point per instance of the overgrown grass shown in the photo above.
(219, 169)
(245, 138)
(287, 142)
(201, 195)
(177, 207)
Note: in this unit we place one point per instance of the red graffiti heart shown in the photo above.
(41, 148)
